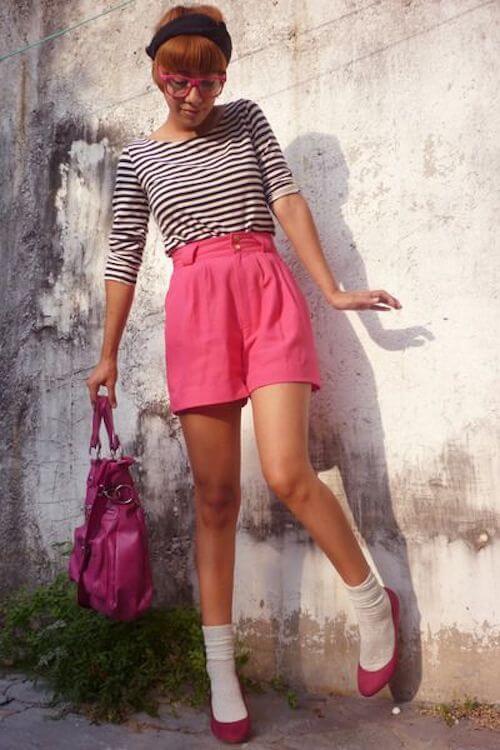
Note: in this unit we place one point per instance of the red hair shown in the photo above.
(189, 51)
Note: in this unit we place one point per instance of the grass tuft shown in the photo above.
(106, 669)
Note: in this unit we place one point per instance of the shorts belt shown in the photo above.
(233, 242)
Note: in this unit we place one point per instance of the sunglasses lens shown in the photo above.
(210, 87)
(179, 87)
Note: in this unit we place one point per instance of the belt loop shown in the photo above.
(189, 254)
(266, 243)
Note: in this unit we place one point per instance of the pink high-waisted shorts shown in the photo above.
(235, 319)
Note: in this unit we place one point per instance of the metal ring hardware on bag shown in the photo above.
(113, 492)
(114, 452)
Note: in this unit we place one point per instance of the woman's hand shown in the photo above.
(362, 300)
(104, 373)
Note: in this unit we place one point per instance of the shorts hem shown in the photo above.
(315, 382)
(208, 401)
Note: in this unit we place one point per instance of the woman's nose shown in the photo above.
(194, 97)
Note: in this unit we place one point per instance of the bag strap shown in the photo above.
(103, 410)
(96, 512)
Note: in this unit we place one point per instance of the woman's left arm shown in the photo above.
(295, 217)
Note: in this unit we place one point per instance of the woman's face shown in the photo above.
(191, 109)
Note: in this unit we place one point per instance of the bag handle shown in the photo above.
(103, 410)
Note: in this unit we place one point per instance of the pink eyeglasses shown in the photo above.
(179, 86)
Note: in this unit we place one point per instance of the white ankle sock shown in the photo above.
(376, 629)
(227, 701)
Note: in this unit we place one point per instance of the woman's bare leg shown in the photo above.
(212, 436)
(281, 421)
(281, 413)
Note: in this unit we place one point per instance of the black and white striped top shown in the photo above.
(202, 187)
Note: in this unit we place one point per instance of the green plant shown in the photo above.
(483, 714)
(109, 669)
(280, 686)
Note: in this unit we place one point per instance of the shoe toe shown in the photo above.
(231, 731)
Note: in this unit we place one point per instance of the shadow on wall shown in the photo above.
(346, 428)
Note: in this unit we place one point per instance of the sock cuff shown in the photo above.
(216, 631)
(219, 641)
(367, 583)
(368, 597)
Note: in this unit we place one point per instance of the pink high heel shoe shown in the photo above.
(371, 681)
(231, 731)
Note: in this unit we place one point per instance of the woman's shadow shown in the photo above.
(346, 425)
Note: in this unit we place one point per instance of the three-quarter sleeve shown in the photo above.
(127, 237)
(277, 177)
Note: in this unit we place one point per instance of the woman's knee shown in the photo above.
(291, 484)
(218, 503)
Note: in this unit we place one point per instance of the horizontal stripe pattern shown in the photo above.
(206, 186)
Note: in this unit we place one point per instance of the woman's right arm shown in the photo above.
(127, 239)
(119, 298)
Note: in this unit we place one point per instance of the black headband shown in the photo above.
(193, 23)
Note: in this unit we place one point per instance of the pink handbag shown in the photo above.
(110, 556)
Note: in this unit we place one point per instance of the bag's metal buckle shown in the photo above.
(114, 452)
(114, 492)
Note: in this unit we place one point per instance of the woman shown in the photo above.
(236, 325)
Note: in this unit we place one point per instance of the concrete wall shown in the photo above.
(387, 114)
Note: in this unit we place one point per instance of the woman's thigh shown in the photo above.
(213, 439)
(281, 423)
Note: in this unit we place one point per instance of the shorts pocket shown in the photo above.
(294, 288)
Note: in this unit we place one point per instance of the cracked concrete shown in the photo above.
(28, 720)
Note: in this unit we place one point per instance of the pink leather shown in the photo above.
(231, 731)
(110, 557)
(371, 681)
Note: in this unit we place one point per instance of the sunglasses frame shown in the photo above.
(165, 77)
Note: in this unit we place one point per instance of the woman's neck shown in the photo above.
(169, 131)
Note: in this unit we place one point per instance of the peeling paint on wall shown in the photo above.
(386, 116)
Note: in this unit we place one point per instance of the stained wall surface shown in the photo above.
(388, 115)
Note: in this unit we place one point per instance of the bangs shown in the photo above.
(188, 53)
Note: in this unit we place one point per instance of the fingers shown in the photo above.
(111, 394)
(381, 295)
(92, 392)
(367, 300)
(93, 389)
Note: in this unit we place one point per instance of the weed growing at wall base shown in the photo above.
(105, 669)
(484, 715)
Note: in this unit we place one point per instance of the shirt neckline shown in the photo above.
(196, 137)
